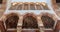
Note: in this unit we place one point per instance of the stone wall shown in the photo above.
(57, 28)
(2, 9)
(54, 4)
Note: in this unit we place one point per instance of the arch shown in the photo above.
(12, 20)
(29, 22)
(47, 21)
(53, 16)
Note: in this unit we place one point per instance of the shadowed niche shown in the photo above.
(11, 21)
(30, 22)
(47, 21)
(57, 1)
(1, 1)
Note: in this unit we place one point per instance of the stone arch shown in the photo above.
(50, 24)
(11, 20)
(47, 21)
(30, 14)
(29, 19)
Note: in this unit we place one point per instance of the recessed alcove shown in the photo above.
(47, 21)
(1, 1)
(29, 22)
(58, 2)
(12, 21)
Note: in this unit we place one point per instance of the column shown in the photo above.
(19, 26)
(40, 24)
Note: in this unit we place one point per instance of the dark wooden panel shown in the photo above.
(1, 1)
(58, 1)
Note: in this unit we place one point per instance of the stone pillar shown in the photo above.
(19, 26)
(4, 4)
(2, 28)
(57, 28)
(2, 8)
(40, 24)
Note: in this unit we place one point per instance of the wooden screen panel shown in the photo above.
(11, 21)
(45, 7)
(26, 7)
(30, 23)
(38, 7)
(19, 7)
(47, 21)
(13, 7)
(32, 7)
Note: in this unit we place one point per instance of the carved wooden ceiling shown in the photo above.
(29, 6)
